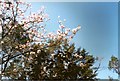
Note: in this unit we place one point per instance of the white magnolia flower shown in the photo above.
(15, 70)
(55, 75)
(59, 21)
(81, 64)
(59, 37)
(27, 53)
(44, 68)
(80, 57)
(79, 27)
(58, 32)
(63, 56)
(2, 42)
(66, 32)
(16, 47)
(38, 51)
(76, 55)
(58, 16)
(32, 52)
(74, 31)
(63, 35)
(52, 54)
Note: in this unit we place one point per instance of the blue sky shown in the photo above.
(71, 0)
(99, 22)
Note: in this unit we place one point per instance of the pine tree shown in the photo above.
(114, 64)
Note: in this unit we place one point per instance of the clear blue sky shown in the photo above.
(99, 22)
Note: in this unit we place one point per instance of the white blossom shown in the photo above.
(80, 57)
(52, 55)
(38, 51)
(81, 64)
(76, 55)
(2, 42)
(32, 53)
(15, 70)
(79, 27)
(58, 16)
(74, 31)
(44, 68)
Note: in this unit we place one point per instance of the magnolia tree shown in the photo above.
(30, 52)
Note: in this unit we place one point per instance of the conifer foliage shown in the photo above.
(114, 64)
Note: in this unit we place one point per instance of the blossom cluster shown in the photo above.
(14, 15)
(34, 23)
